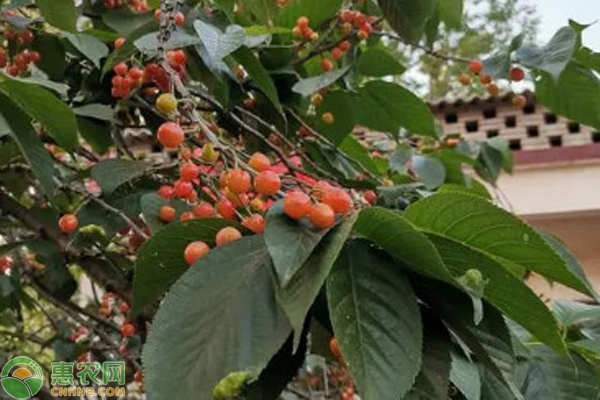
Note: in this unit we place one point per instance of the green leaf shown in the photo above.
(408, 17)
(476, 189)
(451, 12)
(379, 63)
(548, 375)
(588, 58)
(501, 145)
(220, 317)
(110, 174)
(290, 242)
(465, 376)
(128, 49)
(300, 293)
(218, 44)
(400, 158)
(30, 145)
(89, 46)
(259, 75)
(575, 95)
(61, 14)
(98, 111)
(308, 86)
(149, 44)
(503, 290)
(151, 205)
(570, 313)
(430, 170)
(397, 236)
(352, 148)
(554, 56)
(376, 319)
(341, 105)
(317, 11)
(96, 133)
(434, 379)
(480, 225)
(387, 107)
(45, 108)
(125, 21)
(497, 65)
(160, 260)
(264, 10)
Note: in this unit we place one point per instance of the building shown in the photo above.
(556, 182)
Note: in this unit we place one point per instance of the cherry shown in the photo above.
(296, 205)
(327, 64)
(209, 154)
(493, 89)
(183, 189)
(119, 42)
(166, 192)
(68, 223)
(239, 181)
(316, 100)
(320, 188)
(189, 171)
(226, 209)
(187, 216)
(5, 264)
(3, 58)
(485, 79)
(347, 16)
(517, 74)
(302, 23)
(227, 235)
(519, 101)
(167, 213)
(337, 53)
(166, 103)
(258, 205)
(256, 223)
(170, 135)
(127, 330)
(35, 57)
(267, 183)
(475, 66)
(124, 307)
(26, 36)
(195, 251)
(204, 210)
(177, 57)
(464, 80)
(322, 216)
(259, 162)
(370, 196)
(328, 118)
(185, 153)
(345, 45)
(338, 200)
(121, 69)
(179, 19)
(334, 347)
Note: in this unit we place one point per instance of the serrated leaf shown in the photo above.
(110, 174)
(218, 44)
(220, 317)
(30, 145)
(298, 296)
(497, 65)
(160, 260)
(379, 63)
(478, 224)
(45, 108)
(149, 44)
(125, 21)
(61, 14)
(465, 376)
(503, 290)
(376, 319)
(98, 111)
(89, 46)
(393, 233)
(342, 105)
(408, 17)
(387, 107)
(290, 242)
(451, 12)
(554, 56)
(308, 86)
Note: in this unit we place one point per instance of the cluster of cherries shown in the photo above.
(135, 5)
(125, 80)
(18, 64)
(516, 74)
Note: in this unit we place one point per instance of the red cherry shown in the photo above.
(322, 216)
(166, 192)
(337, 53)
(204, 210)
(195, 251)
(296, 205)
(256, 223)
(267, 183)
(370, 196)
(68, 223)
(517, 74)
(179, 19)
(326, 64)
(227, 235)
(183, 189)
(226, 209)
(259, 162)
(338, 200)
(119, 42)
(127, 330)
(239, 181)
(170, 135)
(167, 213)
(121, 69)
(345, 45)
(189, 171)
(187, 216)
(124, 307)
(475, 66)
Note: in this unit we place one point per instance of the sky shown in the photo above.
(555, 14)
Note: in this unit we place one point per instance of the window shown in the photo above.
(451, 118)
(596, 137)
(574, 127)
(472, 126)
(510, 121)
(529, 109)
(555, 141)
(489, 113)
(533, 131)
(550, 118)
(515, 144)
(492, 133)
